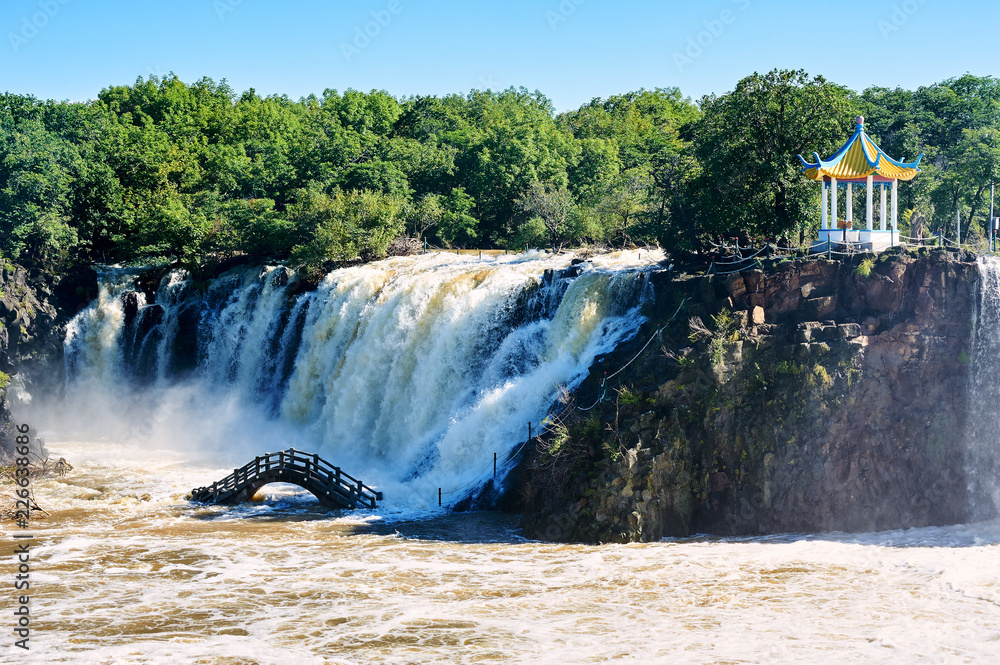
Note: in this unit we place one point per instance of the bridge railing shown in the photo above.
(312, 466)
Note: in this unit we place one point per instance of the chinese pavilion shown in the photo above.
(859, 161)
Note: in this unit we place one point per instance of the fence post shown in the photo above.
(439, 496)
(494, 465)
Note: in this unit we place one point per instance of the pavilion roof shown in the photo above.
(858, 159)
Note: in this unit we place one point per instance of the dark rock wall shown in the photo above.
(815, 397)
(33, 313)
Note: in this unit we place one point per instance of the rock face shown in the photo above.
(27, 341)
(817, 396)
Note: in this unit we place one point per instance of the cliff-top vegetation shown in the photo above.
(166, 170)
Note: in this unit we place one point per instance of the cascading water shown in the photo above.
(983, 439)
(411, 372)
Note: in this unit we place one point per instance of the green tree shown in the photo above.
(343, 226)
(446, 219)
(172, 230)
(550, 203)
(626, 204)
(747, 142)
(37, 172)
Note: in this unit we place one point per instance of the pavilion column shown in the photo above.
(850, 201)
(885, 190)
(824, 219)
(895, 205)
(833, 203)
(869, 219)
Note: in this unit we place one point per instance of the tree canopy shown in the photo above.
(163, 169)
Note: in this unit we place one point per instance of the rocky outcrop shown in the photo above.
(33, 311)
(813, 396)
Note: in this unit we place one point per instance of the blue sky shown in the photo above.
(571, 50)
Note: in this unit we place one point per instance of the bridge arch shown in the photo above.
(328, 483)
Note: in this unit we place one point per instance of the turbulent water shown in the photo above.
(126, 571)
(410, 373)
(414, 371)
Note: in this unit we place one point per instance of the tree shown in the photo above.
(550, 203)
(252, 227)
(172, 230)
(425, 214)
(343, 226)
(976, 166)
(37, 171)
(747, 142)
(513, 140)
(445, 218)
(625, 203)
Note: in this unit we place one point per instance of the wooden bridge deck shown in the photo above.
(333, 487)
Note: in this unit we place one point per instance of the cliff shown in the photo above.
(818, 395)
(34, 309)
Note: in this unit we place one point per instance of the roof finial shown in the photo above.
(860, 120)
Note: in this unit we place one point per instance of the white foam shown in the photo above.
(411, 372)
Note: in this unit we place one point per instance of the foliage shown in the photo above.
(344, 226)
(747, 142)
(627, 397)
(167, 170)
(820, 377)
(864, 269)
(724, 323)
(551, 204)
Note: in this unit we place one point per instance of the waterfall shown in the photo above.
(409, 372)
(983, 439)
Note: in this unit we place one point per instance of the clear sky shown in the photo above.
(571, 50)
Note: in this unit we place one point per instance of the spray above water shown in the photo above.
(411, 372)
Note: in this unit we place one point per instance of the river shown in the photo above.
(127, 571)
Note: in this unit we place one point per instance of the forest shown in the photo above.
(164, 171)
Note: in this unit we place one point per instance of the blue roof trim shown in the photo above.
(838, 156)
